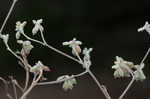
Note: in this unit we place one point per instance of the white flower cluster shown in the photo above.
(69, 83)
(124, 69)
(39, 67)
(87, 60)
(37, 27)
(75, 45)
(20, 28)
(146, 27)
(26, 47)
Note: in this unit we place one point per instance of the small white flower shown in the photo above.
(26, 47)
(37, 26)
(39, 66)
(20, 28)
(146, 27)
(122, 68)
(139, 74)
(87, 61)
(74, 44)
(68, 84)
(5, 38)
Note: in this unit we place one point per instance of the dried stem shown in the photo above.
(127, 88)
(6, 88)
(34, 83)
(8, 15)
(14, 87)
(52, 48)
(105, 92)
(56, 82)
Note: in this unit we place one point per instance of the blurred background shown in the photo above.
(108, 26)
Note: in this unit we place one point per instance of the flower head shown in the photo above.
(26, 47)
(69, 83)
(122, 68)
(20, 28)
(5, 38)
(74, 44)
(139, 74)
(38, 26)
(38, 67)
(146, 27)
(87, 60)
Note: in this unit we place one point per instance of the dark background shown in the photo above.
(108, 26)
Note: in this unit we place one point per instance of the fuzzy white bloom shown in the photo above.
(38, 26)
(74, 44)
(39, 66)
(87, 61)
(20, 28)
(122, 68)
(146, 27)
(26, 47)
(139, 74)
(5, 38)
(67, 84)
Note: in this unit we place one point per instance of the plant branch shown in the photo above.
(102, 88)
(8, 15)
(52, 48)
(6, 88)
(14, 87)
(34, 83)
(56, 82)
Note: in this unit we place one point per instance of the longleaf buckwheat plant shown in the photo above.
(122, 67)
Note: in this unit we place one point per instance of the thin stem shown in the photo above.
(8, 15)
(14, 88)
(52, 48)
(34, 83)
(56, 82)
(144, 58)
(6, 88)
(42, 36)
(127, 88)
(104, 90)
(17, 84)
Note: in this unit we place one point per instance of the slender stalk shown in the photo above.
(6, 88)
(105, 92)
(17, 84)
(14, 88)
(144, 58)
(52, 48)
(34, 83)
(127, 88)
(8, 15)
(56, 82)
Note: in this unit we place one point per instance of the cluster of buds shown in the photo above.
(39, 67)
(86, 59)
(125, 69)
(75, 45)
(69, 83)
(5, 38)
(20, 28)
(26, 47)
(146, 27)
(37, 27)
